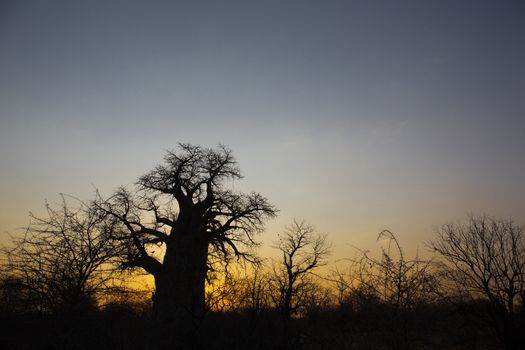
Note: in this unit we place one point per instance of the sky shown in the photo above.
(355, 116)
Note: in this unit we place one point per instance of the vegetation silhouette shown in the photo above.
(65, 260)
(486, 259)
(187, 209)
(64, 281)
(303, 250)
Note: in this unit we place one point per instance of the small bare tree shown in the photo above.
(397, 283)
(303, 250)
(64, 259)
(255, 294)
(396, 280)
(485, 258)
(243, 287)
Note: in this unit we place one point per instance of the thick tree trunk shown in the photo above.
(287, 303)
(179, 297)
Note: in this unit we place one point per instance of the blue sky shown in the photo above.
(354, 115)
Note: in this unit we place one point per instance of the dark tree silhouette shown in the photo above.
(253, 292)
(180, 219)
(63, 260)
(303, 250)
(400, 284)
(396, 280)
(486, 259)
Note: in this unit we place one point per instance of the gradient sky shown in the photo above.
(354, 115)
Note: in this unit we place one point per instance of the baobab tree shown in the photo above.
(180, 219)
